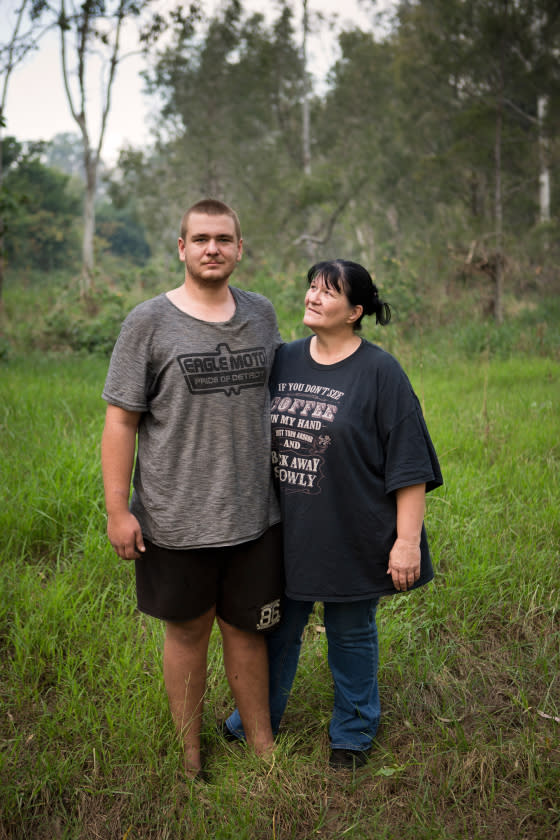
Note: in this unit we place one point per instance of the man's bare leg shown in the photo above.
(246, 664)
(185, 654)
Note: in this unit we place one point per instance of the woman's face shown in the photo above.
(328, 310)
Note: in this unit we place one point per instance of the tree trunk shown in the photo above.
(309, 245)
(88, 260)
(1, 222)
(498, 216)
(306, 132)
(498, 205)
(544, 177)
(85, 33)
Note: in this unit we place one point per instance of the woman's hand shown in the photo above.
(404, 564)
(404, 557)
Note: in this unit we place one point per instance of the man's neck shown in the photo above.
(206, 302)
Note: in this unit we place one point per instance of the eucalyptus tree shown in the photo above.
(91, 31)
(231, 90)
(306, 127)
(540, 54)
(494, 57)
(359, 141)
(24, 33)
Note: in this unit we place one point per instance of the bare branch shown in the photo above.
(322, 239)
(17, 48)
(63, 23)
(112, 71)
(520, 111)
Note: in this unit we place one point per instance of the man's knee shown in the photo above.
(192, 632)
(239, 636)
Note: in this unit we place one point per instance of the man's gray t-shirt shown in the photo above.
(203, 473)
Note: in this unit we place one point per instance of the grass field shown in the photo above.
(470, 667)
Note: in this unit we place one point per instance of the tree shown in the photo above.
(306, 128)
(92, 28)
(24, 36)
(231, 91)
(494, 57)
(120, 232)
(237, 112)
(65, 152)
(43, 229)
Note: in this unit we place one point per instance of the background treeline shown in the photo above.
(431, 154)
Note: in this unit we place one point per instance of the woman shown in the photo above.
(353, 460)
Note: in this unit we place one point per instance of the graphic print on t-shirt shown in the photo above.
(300, 416)
(224, 370)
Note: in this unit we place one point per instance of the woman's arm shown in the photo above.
(404, 557)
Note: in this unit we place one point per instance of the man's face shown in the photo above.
(210, 249)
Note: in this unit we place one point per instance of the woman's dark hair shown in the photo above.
(355, 282)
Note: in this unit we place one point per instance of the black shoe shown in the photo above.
(348, 759)
(226, 733)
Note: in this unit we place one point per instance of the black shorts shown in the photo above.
(245, 582)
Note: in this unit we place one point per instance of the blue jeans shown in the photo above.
(353, 654)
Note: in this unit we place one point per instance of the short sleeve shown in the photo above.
(128, 380)
(410, 456)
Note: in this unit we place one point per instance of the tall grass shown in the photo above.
(469, 745)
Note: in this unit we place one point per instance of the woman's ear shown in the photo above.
(356, 312)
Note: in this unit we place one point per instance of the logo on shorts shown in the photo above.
(224, 370)
(270, 615)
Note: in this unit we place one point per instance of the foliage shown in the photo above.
(122, 233)
(47, 312)
(40, 207)
(231, 93)
(425, 143)
(91, 35)
(24, 35)
(480, 60)
(470, 738)
(65, 153)
(88, 323)
(426, 149)
(42, 210)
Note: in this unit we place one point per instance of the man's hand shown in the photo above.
(117, 458)
(125, 535)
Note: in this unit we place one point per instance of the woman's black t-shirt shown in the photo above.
(344, 438)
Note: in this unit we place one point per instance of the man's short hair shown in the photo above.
(211, 207)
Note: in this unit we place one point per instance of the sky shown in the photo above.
(36, 105)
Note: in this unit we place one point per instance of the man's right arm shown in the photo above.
(117, 459)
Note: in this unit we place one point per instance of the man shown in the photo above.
(188, 380)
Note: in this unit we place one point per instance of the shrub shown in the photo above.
(90, 324)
